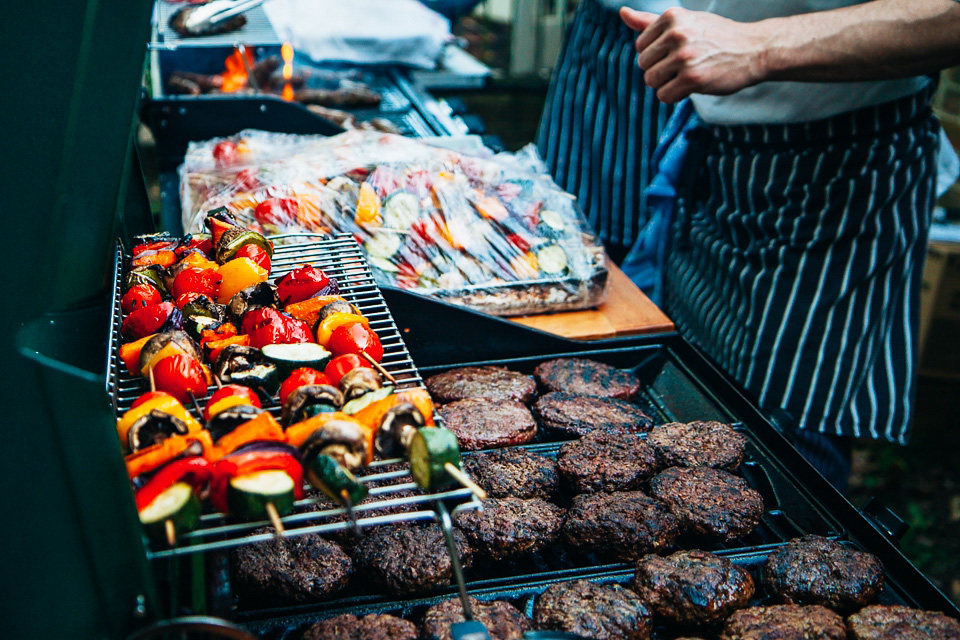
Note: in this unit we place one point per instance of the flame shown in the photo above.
(286, 52)
(235, 76)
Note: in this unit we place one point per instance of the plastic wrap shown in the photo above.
(492, 232)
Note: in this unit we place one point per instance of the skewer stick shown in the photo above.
(153, 384)
(378, 367)
(345, 496)
(170, 529)
(216, 380)
(274, 518)
(462, 478)
(196, 405)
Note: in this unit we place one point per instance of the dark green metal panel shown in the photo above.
(73, 561)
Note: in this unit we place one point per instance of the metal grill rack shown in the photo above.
(339, 257)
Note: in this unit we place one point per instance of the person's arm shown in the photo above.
(684, 52)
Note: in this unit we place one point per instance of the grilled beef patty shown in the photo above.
(699, 443)
(879, 622)
(502, 620)
(370, 627)
(693, 588)
(487, 383)
(409, 558)
(712, 505)
(784, 622)
(508, 527)
(602, 461)
(483, 424)
(586, 377)
(592, 610)
(816, 570)
(513, 473)
(623, 525)
(574, 415)
(298, 569)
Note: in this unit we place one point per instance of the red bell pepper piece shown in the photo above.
(155, 456)
(197, 242)
(146, 320)
(195, 471)
(157, 245)
(267, 325)
(301, 283)
(243, 463)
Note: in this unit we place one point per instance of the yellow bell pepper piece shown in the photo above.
(238, 274)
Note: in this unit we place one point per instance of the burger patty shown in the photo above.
(602, 461)
(483, 424)
(692, 444)
(487, 383)
(502, 620)
(816, 570)
(711, 504)
(878, 622)
(508, 527)
(513, 473)
(592, 610)
(586, 377)
(784, 622)
(693, 588)
(298, 569)
(409, 558)
(623, 525)
(575, 415)
(370, 627)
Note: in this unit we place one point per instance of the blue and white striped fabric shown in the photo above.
(797, 259)
(600, 125)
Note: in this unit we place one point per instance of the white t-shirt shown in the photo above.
(786, 102)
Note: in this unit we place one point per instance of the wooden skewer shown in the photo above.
(153, 384)
(170, 529)
(462, 478)
(378, 367)
(274, 516)
(196, 405)
(216, 380)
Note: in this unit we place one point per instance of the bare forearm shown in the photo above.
(874, 40)
(684, 52)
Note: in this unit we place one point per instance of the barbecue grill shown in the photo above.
(77, 563)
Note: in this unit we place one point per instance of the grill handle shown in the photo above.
(193, 624)
(883, 518)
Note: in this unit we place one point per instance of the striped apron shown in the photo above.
(796, 261)
(600, 125)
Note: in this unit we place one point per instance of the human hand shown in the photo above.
(684, 52)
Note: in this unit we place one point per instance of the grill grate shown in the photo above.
(340, 257)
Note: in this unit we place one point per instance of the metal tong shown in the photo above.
(211, 13)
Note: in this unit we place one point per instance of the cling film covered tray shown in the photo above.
(490, 232)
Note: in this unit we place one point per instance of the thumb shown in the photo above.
(637, 20)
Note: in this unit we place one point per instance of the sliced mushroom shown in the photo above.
(397, 427)
(359, 381)
(342, 440)
(262, 294)
(230, 418)
(234, 238)
(309, 400)
(235, 358)
(337, 306)
(154, 427)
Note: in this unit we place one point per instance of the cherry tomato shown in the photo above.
(180, 376)
(146, 320)
(227, 153)
(342, 365)
(270, 326)
(149, 395)
(256, 253)
(247, 179)
(299, 378)
(245, 394)
(140, 296)
(279, 211)
(304, 282)
(355, 337)
(197, 280)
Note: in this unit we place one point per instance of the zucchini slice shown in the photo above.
(400, 210)
(383, 245)
(287, 357)
(430, 450)
(329, 476)
(366, 399)
(179, 504)
(552, 259)
(248, 495)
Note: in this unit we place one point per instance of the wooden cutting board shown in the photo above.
(626, 311)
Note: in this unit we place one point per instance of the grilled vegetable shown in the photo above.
(142, 414)
(309, 310)
(357, 404)
(305, 282)
(356, 338)
(431, 449)
(238, 274)
(164, 344)
(300, 377)
(151, 458)
(247, 498)
(181, 376)
(330, 323)
(258, 377)
(154, 275)
(227, 419)
(248, 495)
(139, 296)
(236, 358)
(227, 396)
(343, 440)
(178, 505)
(262, 428)
(197, 280)
(397, 428)
(328, 476)
(288, 357)
(340, 365)
(146, 320)
(231, 240)
(359, 381)
(271, 326)
(309, 400)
